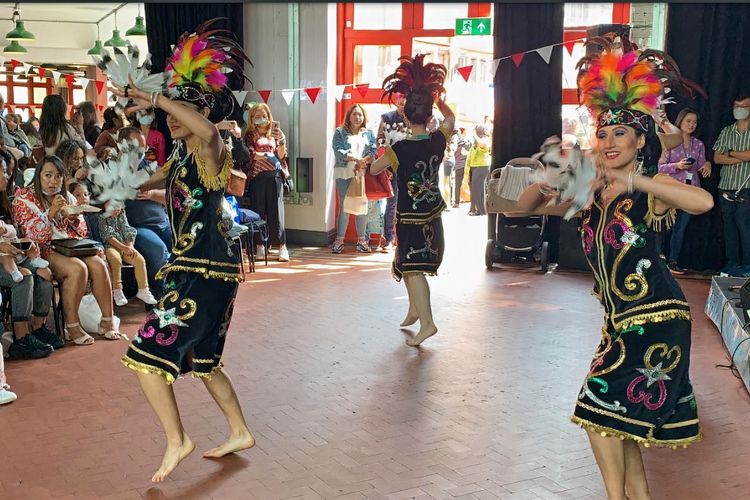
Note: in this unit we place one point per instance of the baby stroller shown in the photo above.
(517, 236)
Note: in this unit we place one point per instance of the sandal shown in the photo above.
(109, 334)
(84, 339)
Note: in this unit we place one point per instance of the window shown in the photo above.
(588, 14)
(372, 63)
(575, 125)
(443, 15)
(377, 16)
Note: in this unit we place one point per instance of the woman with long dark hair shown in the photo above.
(72, 154)
(53, 124)
(416, 161)
(91, 129)
(106, 143)
(637, 390)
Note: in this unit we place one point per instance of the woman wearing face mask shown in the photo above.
(685, 163)
(637, 390)
(156, 147)
(268, 170)
(40, 212)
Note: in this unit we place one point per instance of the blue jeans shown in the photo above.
(678, 235)
(246, 215)
(154, 243)
(389, 219)
(342, 185)
(736, 218)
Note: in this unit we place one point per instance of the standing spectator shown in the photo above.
(478, 165)
(31, 128)
(684, 164)
(91, 128)
(106, 143)
(463, 145)
(732, 150)
(449, 163)
(156, 146)
(354, 149)
(268, 171)
(53, 126)
(391, 130)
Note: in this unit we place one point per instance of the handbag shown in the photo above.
(71, 247)
(355, 202)
(378, 186)
(37, 153)
(237, 183)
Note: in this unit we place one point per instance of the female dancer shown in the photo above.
(187, 329)
(416, 161)
(638, 388)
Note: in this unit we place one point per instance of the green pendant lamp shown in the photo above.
(14, 48)
(97, 49)
(20, 33)
(140, 26)
(116, 40)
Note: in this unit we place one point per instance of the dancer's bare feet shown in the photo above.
(424, 333)
(235, 443)
(411, 318)
(172, 457)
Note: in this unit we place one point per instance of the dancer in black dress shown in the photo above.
(187, 329)
(637, 390)
(416, 161)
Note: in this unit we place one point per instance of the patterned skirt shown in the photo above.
(187, 328)
(420, 248)
(639, 388)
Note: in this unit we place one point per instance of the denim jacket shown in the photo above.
(341, 146)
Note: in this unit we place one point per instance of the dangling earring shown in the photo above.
(639, 162)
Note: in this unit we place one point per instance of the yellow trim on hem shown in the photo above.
(207, 376)
(221, 179)
(391, 154)
(155, 358)
(606, 413)
(147, 369)
(646, 442)
(202, 271)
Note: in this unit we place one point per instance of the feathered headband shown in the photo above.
(412, 74)
(624, 86)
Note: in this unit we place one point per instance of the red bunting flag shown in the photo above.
(12, 108)
(312, 93)
(14, 64)
(517, 58)
(362, 88)
(99, 86)
(265, 94)
(465, 71)
(69, 80)
(99, 108)
(40, 71)
(569, 45)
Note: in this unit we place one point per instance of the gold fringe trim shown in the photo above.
(646, 442)
(654, 317)
(398, 275)
(206, 273)
(207, 376)
(655, 220)
(155, 358)
(221, 179)
(421, 217)
(392, 158)
(147, 369)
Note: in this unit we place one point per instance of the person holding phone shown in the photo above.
(685, 163)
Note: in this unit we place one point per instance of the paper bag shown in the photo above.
(355, 202)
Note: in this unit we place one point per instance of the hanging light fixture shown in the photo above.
(116, 40)
(140, 27)
(14, 48)
(19, 33)
(97, 49)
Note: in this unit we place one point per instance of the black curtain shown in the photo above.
(711, 44)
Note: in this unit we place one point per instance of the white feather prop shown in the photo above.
(393, 133)
(119, 179)
(124, 65)
(571, 173)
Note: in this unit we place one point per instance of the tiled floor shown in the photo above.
(342, 408)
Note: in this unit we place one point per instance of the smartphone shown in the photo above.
(275, 125)
(690, 160)
(21, 245)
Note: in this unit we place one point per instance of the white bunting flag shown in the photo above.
(26, 68)
(338, 92)
(2, 60)
(56, 76)
(495, 64)
(83, 82)
(288, 95)
(240, 96)
(545, 52)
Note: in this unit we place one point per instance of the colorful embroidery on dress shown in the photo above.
(654, 374)
(427, 250)
(164, 323)
(422, 186)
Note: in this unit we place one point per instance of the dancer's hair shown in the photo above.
(421, 84)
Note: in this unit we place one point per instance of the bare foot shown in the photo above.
(234, 444)
(411, 318)
(424, 334)
(172, 457)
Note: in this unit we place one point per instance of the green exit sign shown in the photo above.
(473, 26)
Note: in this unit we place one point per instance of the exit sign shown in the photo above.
(473, 26)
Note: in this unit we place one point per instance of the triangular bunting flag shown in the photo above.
(40, 71)
(26, 68)
(465, 72)
(84, 82)
(569, 45)
(14, 64)
(264, 94)
(545, 52)
(517, 58)
(56, 76)
(70, 107)
(288, 95)
(99, 86)
(361, 88)
(2, 60)
(99, 108)
(495, 64)
(312, 93)
(69, 80)
(338, 92)
(240, 96)
(12, 108)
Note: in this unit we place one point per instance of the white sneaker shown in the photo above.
(39, 263)
(7, 397)
(146, 296)
(119, 297)
(283, 254)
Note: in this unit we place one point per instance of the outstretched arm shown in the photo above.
(668, 193)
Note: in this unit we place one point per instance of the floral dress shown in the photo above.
(419, 228)
(187, 328)
(638, 385)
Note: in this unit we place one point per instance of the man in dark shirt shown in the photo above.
(392, 129)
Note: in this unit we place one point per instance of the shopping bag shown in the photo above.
(90, 315)
(355, 202)
(378, 187)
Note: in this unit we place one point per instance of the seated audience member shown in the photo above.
(14, 122)
(72, 154)
(43, 215)
(31, 128)
(106, 142)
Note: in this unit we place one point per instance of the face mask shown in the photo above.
(56, 192)
(146, 120)
(261, 122)
(740, 113)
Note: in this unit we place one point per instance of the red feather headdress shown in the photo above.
(413, 73)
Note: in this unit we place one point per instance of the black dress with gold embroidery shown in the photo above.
(419, 229)
(187, 328)
(638, 386)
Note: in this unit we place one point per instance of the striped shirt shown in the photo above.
(732, 176)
